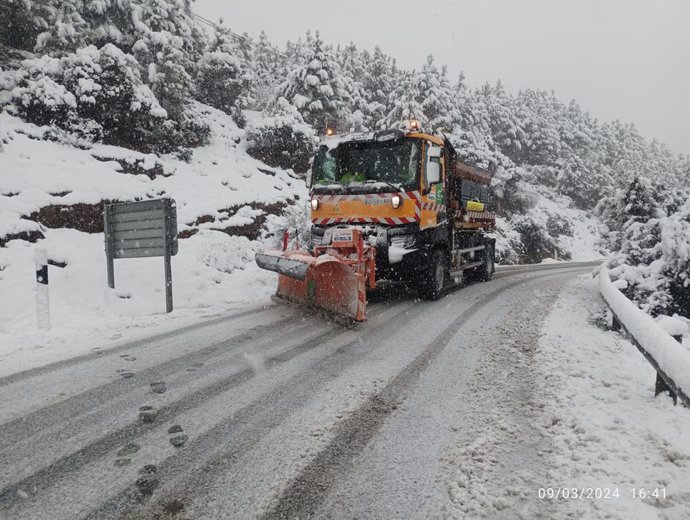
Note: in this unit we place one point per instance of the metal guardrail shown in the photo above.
(664, 381)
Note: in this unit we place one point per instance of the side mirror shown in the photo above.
(434, 152)
(308, 180)
(433, 173)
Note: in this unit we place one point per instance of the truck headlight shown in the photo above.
(395, 201)
(314, 204)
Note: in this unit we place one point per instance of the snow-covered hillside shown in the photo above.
(51, 196)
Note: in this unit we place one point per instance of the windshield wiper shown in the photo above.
(396, 188)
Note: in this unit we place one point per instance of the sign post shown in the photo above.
(109, 254)
(171, 228)
(42, 294)
(141, 229)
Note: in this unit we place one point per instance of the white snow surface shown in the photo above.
(672, 358)
(212, 272)
(582, 243)
(606, 428)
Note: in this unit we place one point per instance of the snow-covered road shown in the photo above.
(426, 410)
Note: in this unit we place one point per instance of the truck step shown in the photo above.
(459, 271)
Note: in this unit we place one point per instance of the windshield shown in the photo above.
(394, 163)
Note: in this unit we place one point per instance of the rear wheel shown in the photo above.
(434, 277)
(486, 271)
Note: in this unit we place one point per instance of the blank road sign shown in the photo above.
(141, 229)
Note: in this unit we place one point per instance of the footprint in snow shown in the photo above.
(125, 373)
(128, 357)
(158, 387)
(147, 414)
(148, 481)
(123, 460)
(177, 435)
(129, 449)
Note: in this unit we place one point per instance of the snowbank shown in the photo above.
(605, 428)
(672, 358)
(221, 193)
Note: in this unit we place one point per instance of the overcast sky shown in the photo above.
(620, 59)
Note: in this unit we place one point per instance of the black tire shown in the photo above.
(434, 277)
(485, 271)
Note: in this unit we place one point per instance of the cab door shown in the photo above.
(433, 196)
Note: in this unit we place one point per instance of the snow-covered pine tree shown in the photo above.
(315, 88)
(624, 151)
(353, 70)
(284, 140)
(584, 182)
(269, 70)
(538, 113)
(160, 51)
(640, 201)
(636, 204)
(168, 46)
(471, 134)
(578, 131)
(21, 24)
(378, 84)
(648, 230)
(675, 248)
(660, 164)
(93, 93)
(65, 28)
(405, 104)
(506, 128)
(224, 78)
(682, 170)
(436, 96)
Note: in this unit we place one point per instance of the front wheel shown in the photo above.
(433, 278)
(486, 271)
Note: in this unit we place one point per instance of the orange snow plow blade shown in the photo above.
(334, 278)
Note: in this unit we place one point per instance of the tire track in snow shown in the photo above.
(16, 429)
(68, 433)
(245, 429)
(131, 345)
(58, 470)
(52, 473)
(102, 446)
(304, 494)
(222, 446)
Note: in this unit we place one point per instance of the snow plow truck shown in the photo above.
(387, 206)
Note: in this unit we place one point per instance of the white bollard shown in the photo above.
(42, 295)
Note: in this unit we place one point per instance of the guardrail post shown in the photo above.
(662, 387)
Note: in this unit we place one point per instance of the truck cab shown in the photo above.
(404, 191)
